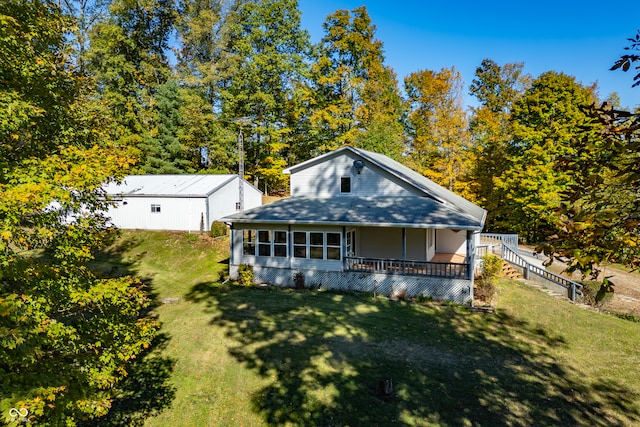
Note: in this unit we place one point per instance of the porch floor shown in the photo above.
(457, 258)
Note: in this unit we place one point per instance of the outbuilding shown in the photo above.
(178, 202)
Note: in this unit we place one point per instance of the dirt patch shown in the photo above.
(626, 295)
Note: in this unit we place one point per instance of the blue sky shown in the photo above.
(579, 38)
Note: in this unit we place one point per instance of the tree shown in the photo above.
(355, 99)
(162, 151)
(439, 145)
(128, 60)
(545, 120)
(67, 337)
(269, 50)
(496, 88)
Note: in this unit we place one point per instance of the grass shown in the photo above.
(253, 357)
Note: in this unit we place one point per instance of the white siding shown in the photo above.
(175, 213)
(223, 201)
(417, 244)
(323, 180)
(380, 242)
(182, 213)
(451, 242)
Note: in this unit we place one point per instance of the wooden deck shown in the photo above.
(457, 258)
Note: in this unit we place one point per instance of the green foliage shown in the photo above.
(496, 88)
(485, 285)
(67, 336)
(218, 229)
(356, 100)
(299, 280)
(545, 121)
(245, 275)
(596, 293)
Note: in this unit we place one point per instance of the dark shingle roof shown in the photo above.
(409, 212)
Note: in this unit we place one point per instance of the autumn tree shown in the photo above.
(67, 337)
(355, 100)
(545, 120)
(437, 125)
(598, 219)
(496, 88)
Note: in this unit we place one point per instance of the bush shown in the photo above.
(298, 280)
(596, 293)
(486, 283)
(245, 275)
(218, 229)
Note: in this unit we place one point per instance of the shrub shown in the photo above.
(596, 293)
(245, 274)
(218, 229)
(298, 280)
(486, 284)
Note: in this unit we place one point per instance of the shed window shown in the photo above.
(155, 208)
(345, 184)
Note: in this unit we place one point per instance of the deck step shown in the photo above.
(509, 272)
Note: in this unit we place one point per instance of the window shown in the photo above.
(299, 244)
(280, 243)
(351, 243)
(316, 245)
(155, 208)
(333, 245)
(345, 184)
(249, 242)
(264, 243)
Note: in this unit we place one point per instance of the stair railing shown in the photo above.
(509, 253)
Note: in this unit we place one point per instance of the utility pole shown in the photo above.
(241, 122)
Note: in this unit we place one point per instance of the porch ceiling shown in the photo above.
(409, 212)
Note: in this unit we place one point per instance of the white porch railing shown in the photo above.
(397, 266)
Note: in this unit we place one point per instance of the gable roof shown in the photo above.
(399, 211)
(170, 185)
(402, 172)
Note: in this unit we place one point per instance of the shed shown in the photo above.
(177, 202)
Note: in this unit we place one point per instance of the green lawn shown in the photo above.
(245, 356)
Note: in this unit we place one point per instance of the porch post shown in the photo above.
(404, 248)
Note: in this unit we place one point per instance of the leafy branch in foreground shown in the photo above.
(67, 337)
(599, 218)
(625, 61)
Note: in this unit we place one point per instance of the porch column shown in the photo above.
(404, 248)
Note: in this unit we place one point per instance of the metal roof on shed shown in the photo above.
(402, 211)
(169, 185)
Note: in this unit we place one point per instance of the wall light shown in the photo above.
(359, 165)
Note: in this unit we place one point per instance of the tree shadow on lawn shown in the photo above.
(326, 354)
(146, 390)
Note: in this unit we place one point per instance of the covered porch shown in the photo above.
(410, 251)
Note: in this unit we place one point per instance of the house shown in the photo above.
(358, 220)
(177, 202)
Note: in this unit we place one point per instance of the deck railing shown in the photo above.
(397, 266)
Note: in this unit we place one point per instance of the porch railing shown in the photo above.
(397, 266)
